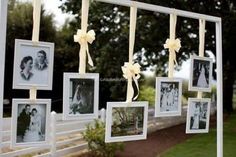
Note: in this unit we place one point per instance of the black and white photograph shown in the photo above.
(168, 97)
(200, 74)
(198, 115)
(30, 122)
(126, 121)
(80, 96)
(33, 65)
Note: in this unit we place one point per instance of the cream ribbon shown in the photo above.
(131, 71)
(172, 44)
(36, 20)
(202, 25)
(83, 38)
(35, 38)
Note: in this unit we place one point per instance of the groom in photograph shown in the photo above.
(23, 121)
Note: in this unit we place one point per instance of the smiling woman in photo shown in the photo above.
(26, 67)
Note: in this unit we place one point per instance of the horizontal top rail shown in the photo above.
(160, 9)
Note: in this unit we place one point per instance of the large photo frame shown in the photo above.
(200, 74)
(80, 96)
(133, 127)
(33, 65)
(168, 97)
(30, 122)
(198, 115)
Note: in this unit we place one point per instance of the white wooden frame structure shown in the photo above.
(144, 6)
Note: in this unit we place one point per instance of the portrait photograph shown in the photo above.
(33, 65)
(30, 122)
(126, 121)
(80, 96)
(200, 74)
(168, 97)
(198, 115)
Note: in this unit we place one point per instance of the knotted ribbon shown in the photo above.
(83, 37)
(131, 71)
(172, 44)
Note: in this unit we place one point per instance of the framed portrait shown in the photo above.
(198, 115)
(126, 121)
(33, 65)
(168, 97)
(200, 74)
(80, 96)
(30, 122)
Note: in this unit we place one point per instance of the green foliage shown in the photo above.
(95, 136)
(147, 93)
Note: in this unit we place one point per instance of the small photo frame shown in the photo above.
(198, 115)
(126, 121)
(80, 96)
(33, 65)
(168, 97)
(30, 122)
(200, 74)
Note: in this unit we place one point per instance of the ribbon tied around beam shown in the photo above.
(173, 45)
(131, 71)
(83, 39)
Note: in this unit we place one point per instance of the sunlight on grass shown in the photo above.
(204, 145)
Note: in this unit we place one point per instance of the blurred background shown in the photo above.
(60, 20)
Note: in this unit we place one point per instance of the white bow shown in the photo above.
(83, 39)
(131, 71)
(173, 45)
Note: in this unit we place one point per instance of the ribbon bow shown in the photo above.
(83, 39)
(173, 45)
(132, 71)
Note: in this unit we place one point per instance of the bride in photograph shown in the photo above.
(196, 116)
(34, 134)
(202, 82)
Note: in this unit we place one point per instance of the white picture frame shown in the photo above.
(168, 97)
(200, 73)
(33, 65)
(198, 115)
(30, 122)
(86, 86)
(140, 109)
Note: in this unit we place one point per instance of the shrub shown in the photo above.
(95, 136)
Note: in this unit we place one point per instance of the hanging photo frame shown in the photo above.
(168, 97)
(30, 122)
(80, 96)
(198, 115)
(200, 74)
(133, 127)
(33, 65)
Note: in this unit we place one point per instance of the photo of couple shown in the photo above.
(40, 63)
(33, 65)
(31, 123)
(198, 115)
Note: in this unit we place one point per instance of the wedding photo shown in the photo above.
(200, 74)
(80, 96)
(168, 97)
(126, 122)
(30, 121)
(198, 115)
(33, 65)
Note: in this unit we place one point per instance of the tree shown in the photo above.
(110, 49)
(19, 26)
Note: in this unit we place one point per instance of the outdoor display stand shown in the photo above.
(144, 6)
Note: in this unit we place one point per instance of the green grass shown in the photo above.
(204, 145)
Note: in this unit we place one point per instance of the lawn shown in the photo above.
(204, 145)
